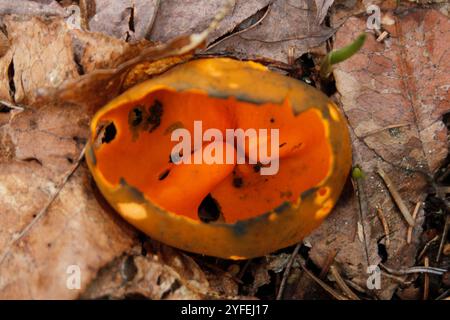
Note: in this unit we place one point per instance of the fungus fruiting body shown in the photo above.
(265, 169)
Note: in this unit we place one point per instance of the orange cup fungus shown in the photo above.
(223, 205)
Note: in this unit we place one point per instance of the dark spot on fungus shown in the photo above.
(257, 167)
(109, 133)
(209, 210)
(135, 116)
(240, 228)
(237, 182)
(283, 144)
(307, 193)
(164, 175)
(283, 207)
(155, 114)
(272, 120)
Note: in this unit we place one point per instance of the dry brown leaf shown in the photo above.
(394, 95)
(75, 231)
(289, 25)
(163, 274)
(40, 55)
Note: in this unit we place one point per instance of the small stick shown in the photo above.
(417, 269)
(410, 229)
(355, 286)
(443, 295)
(444, 236)
(385, 225)
(400, 279)
(244, 268)
(396, 196)
(291, 55)
(425, 247)
(9, 105)
(326, 287)
(426, 279)
(287, 271)
(382, 36)
(342, 285)
(326, 267)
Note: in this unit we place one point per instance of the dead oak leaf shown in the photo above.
(394, 95)
(40, 55)
(75, 232)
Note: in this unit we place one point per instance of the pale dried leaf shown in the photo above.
(194, 15)
(290, 25)
(41, 56)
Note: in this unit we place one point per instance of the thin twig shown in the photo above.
(385, 225)
(396, 196)
(443, 295)
(342, 285)
(328, 262)
(426, 280)
(417, 269)
(382, 36)
(443, 237)
(399, 279)
(291, 55)
(362, 209)
(326, 287)
(411, 228)
(287, 271)
(12, 106)
(425, 247)
(243, 269)
(355, 286)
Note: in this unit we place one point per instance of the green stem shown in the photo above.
(340, 55)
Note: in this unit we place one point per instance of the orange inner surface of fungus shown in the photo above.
(136, 146)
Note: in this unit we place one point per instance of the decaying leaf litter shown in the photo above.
(57, 56)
